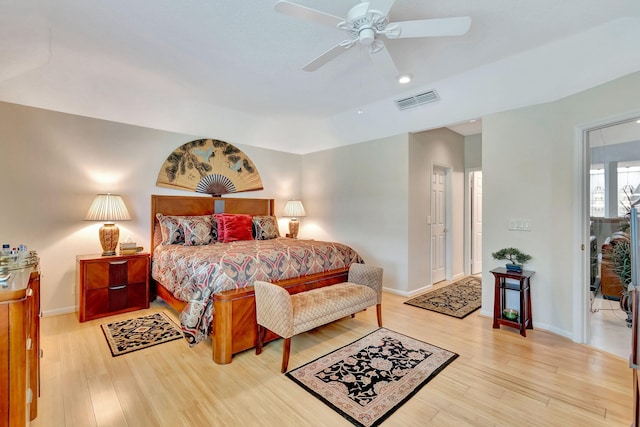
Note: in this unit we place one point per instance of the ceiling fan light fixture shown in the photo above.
(403, 79)
(367, 36)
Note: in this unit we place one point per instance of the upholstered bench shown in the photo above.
(288, 315)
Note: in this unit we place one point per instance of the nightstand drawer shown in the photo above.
(101, 274)
(104, 301)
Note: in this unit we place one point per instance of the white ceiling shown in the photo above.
(191, 65)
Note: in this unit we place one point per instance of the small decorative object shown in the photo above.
(510, 313)
(294, 209)
(128, 248)
(514, 267)
(109, 208)
(515, 256)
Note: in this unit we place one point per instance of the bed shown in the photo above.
(210, 286)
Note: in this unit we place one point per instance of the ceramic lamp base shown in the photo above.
(109, 236)
(294, 226)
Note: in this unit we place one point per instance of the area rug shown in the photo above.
(367, 380)
(458, 299)
(131, 335)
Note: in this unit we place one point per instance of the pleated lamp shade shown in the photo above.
(294, 209)
(108, 208)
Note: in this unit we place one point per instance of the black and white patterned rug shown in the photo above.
(131, 335)
(367, 380)
(458, 299)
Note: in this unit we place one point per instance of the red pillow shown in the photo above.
(234, 227)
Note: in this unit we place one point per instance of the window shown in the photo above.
(628, 178)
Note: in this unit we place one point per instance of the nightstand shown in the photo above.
(111, 284)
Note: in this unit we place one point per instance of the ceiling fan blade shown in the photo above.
(307, 14)
(382, 6)
(383, 60)
(332, 53)
(429, 28)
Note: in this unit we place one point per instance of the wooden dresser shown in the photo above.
(20, 353)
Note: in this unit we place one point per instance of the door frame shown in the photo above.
(447, 220)
(468, 219)
(582, 164)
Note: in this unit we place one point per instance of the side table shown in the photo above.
(112, 284)
(524, 320)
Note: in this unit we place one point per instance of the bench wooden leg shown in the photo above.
(379, 311)
(260, 338)
(286, 348)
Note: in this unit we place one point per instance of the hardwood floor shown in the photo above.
(608, 328)
(500, 378)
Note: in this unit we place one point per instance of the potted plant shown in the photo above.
(515, 257)
(618, 255)
(618, 252)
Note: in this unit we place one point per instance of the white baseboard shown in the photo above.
(536, 325)
(407, 294)
(394, 291)
(420, 290)
(59, 311)
(458, 276)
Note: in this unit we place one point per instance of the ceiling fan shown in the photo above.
(365, 22)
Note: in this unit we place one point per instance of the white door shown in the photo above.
(438, 225)
(476, 223)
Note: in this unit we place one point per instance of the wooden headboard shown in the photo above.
(205, 205)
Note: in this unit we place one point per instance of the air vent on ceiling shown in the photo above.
(416, 100)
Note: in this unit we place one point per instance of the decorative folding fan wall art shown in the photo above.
(209, 166)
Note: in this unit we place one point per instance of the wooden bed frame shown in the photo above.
(234, 326)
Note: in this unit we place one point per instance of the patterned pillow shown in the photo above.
(234, 227)
(170, 228)
(214, 229)
(265, 227)
(219, 221)
(173, 230)
(197, 230)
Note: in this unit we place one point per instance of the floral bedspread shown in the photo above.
(193, 274)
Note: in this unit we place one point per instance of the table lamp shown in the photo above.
(108, 208)
(294, 209)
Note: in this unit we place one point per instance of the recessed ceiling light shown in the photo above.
(472, 120)
(360, 112)
(403, 79)
(638, 121)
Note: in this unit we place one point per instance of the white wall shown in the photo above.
(357, 195)
(439, 147)
(529, 172)
(53, 165)
(473, 151)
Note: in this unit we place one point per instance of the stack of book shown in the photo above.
(128, 248)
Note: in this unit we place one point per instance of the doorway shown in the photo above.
(440, 220)
(612, 168)
(475, 190)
